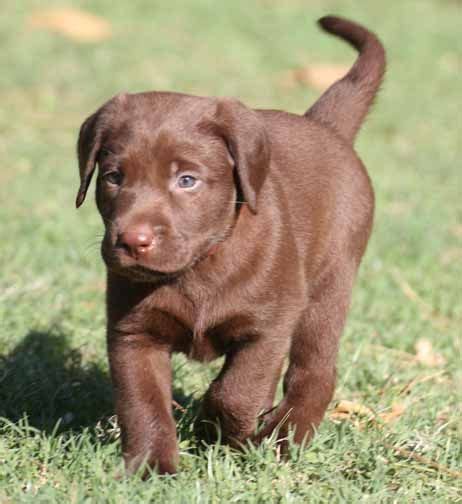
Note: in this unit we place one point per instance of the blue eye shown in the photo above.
(113, 177)
(186, 181)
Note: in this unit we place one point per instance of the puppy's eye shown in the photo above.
(187, 182)
(113, 177)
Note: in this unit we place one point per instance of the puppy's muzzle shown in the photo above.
(137, 241)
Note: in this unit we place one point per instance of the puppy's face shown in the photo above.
(170, 169)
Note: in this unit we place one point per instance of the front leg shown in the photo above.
(142, 379)
(243, 388)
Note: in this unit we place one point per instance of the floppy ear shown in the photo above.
(88, 146)
(247, 141)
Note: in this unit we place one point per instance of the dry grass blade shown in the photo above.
(420, 379)
(178, 406)
(396, 351)
(427, 312)
(403, 452)
(72, 23)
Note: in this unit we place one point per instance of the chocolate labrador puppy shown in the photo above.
(230, 231)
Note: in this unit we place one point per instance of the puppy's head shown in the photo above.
(171, 169)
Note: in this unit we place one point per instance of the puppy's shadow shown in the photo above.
(47, 380)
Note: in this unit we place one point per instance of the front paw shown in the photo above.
(160, 457)
(223, 421)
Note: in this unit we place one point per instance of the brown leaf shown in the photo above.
(335, 415)
(426, 356)
(397, 409)
(345, 409)
(318, 75)
(72, 23)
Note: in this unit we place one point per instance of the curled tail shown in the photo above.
(344, 105)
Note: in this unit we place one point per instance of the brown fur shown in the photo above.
(256, 262)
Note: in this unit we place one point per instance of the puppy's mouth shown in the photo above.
(141, 273)
(155, 266)
(144, 269)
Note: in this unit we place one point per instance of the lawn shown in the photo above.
(393, 432)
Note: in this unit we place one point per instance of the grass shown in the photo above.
(58, 441)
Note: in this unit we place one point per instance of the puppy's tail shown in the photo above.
(345, 104)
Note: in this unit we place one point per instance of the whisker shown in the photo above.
(89, 251)
(92, 245)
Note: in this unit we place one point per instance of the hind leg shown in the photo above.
(310, 379)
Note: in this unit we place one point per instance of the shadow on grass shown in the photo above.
(46, 380)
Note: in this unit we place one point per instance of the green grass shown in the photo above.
(58, 441)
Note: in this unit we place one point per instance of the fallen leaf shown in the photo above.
(397, 409)
(426, 356)
(318, 75)
(334, 415)
(72, 23)
(345, 409)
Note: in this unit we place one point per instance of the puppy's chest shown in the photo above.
(209, 326)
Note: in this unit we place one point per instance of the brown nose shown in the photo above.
(137, 240)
